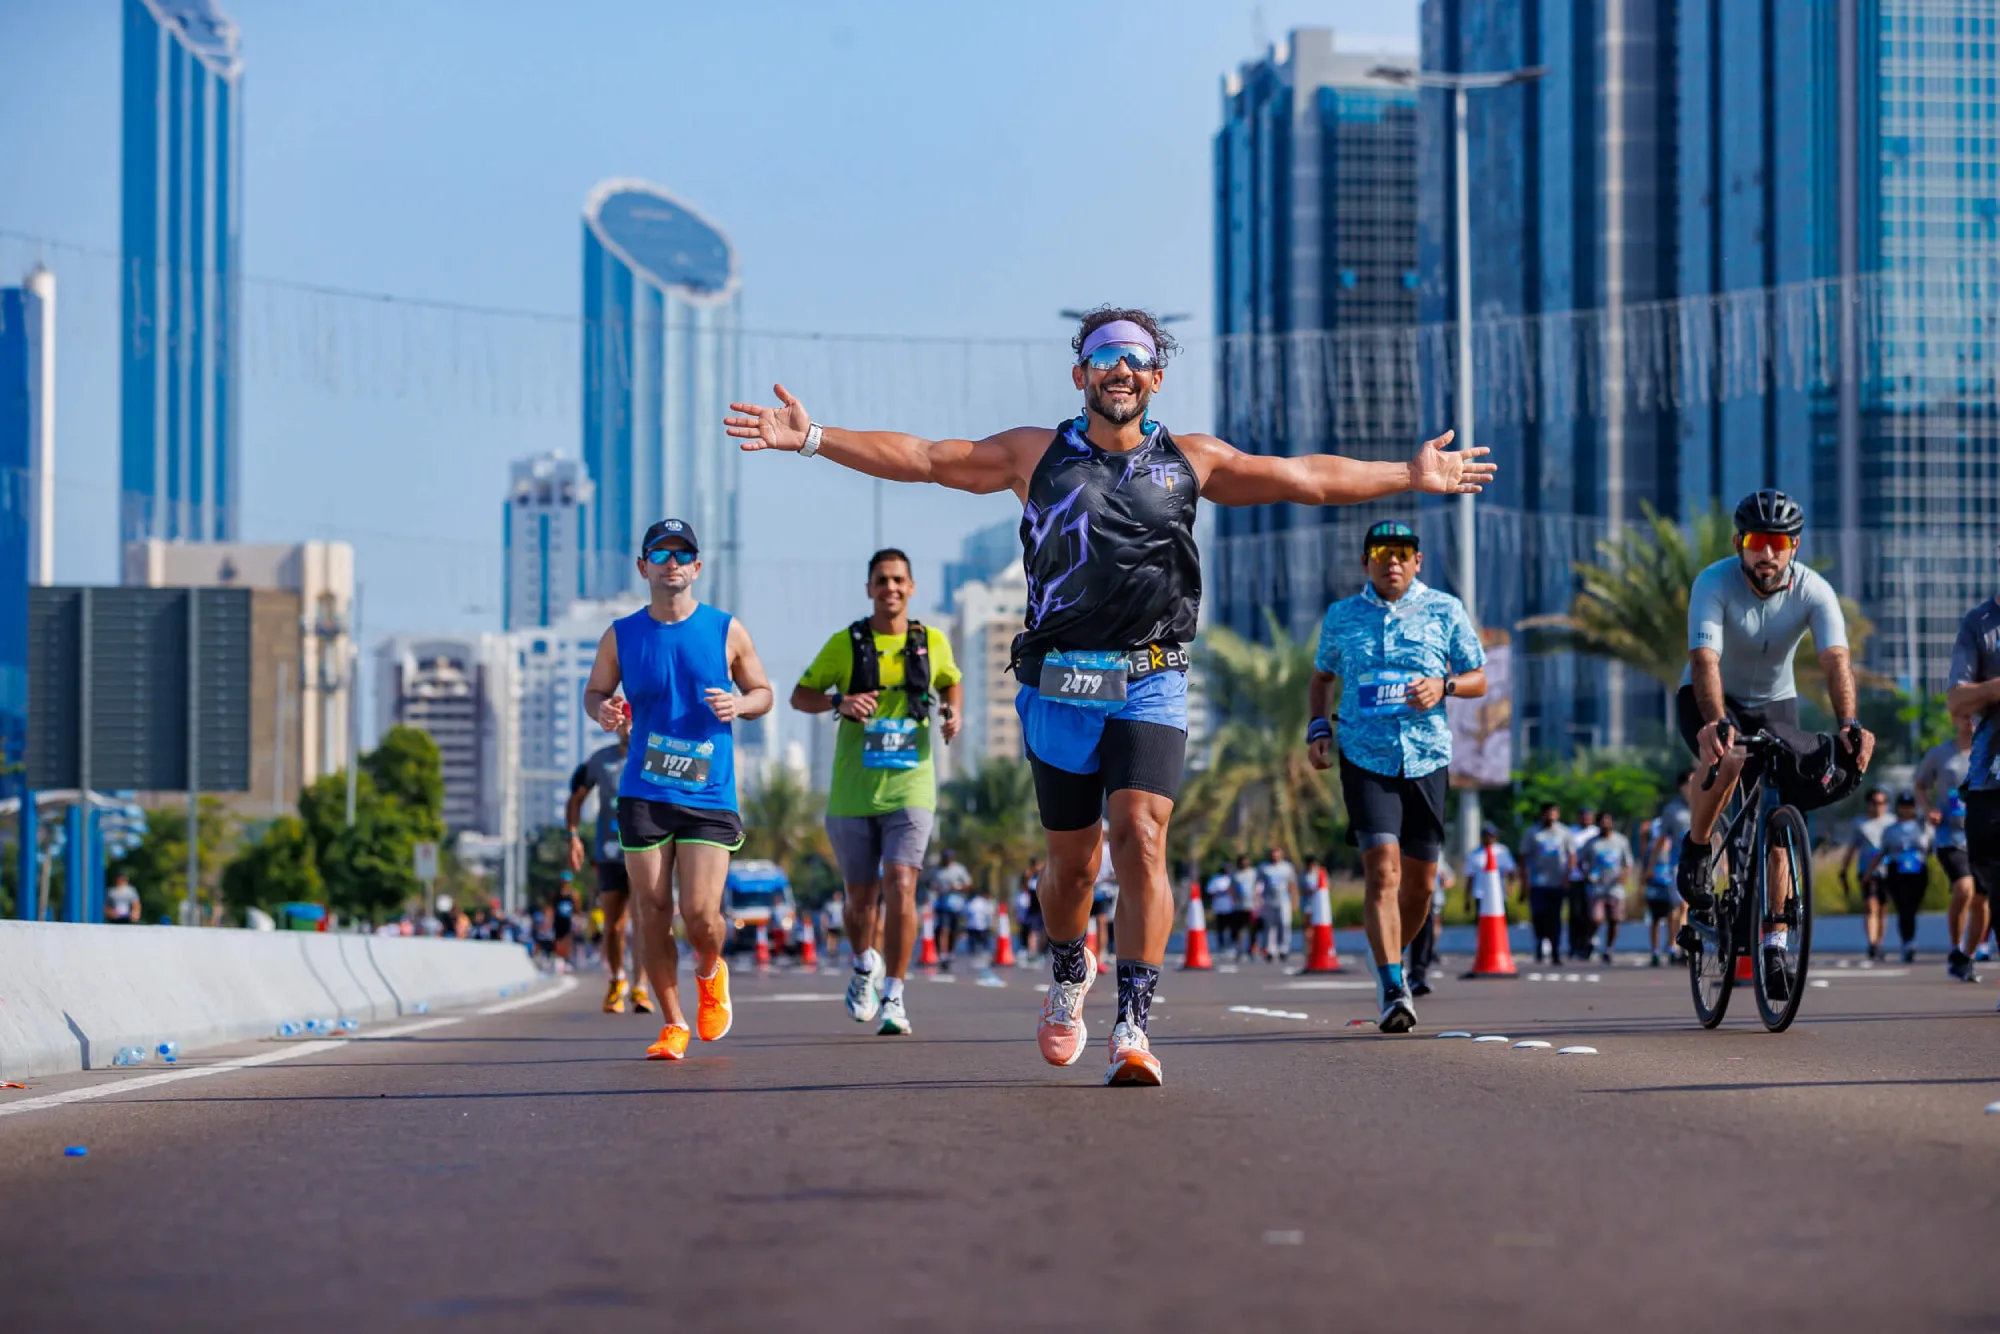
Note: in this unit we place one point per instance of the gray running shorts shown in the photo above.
(863, 844)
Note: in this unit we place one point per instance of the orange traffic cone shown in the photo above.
(808, 949)
(763, 947)
(1743, 970)
(929, 957)
(1194, 955)
(1003, 940)
(1321, 956)
(1494, 958)
(1090, 938)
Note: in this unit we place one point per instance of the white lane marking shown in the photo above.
(1490, 1037)
(1268, 1014)
(800, 996)
(1323, 986)
(1577, 1051)
(1455, 1033)
(562, 987)
(290, 1051)
(167, 1077)
(1531, 1044)
(1818, 982)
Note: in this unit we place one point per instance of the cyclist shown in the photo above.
(1747, 615)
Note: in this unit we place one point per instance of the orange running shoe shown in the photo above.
(672, 1046)
(614, 996)
(642, 1000)
(713, 1018)
(1132, 1059)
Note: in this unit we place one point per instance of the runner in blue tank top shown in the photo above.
(1114, 589)
(681, 664)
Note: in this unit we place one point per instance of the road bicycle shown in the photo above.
(1765, 852)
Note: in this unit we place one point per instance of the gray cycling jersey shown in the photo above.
(1941, 774)
(602, 771)
(1755, 636)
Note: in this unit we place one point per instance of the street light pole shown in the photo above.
(1465, 416)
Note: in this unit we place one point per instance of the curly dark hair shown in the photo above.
(1092, 319)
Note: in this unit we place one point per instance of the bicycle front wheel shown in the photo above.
(1784, 900)
(1712, 961)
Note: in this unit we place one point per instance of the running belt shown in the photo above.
(1140, 663)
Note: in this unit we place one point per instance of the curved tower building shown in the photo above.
(660, 365)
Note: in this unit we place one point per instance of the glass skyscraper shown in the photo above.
(661, 362)
(1315, 240)
(26, 322)
(179, 279)
(545, 529)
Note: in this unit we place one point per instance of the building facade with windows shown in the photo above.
(552, 664)
(1315, 247)
(661, 362)
(987, 615)
(462, 691)
(180, 394)
(545, 531)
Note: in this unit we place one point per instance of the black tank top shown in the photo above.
(1108, 543)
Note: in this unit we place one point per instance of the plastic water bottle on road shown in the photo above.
(130, 1056)
(169, 1051)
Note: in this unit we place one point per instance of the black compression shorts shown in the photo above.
(1957, 865)
(1387, 808)
(1146, 756)
(1982, 841)
(644, 824)
(611, 878)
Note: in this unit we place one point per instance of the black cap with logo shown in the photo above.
(667, 528)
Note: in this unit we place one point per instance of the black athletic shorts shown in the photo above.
(1957, 865)
(1982, 841)
(644, 824)
(1146, 756)
(1809, 777)
(1875, 888)
(1385, 808)
(611, 878)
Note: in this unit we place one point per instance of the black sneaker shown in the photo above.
(1398, 1014)
(1696, 881)
(1419, 987)
(1777, 983)
(1909, 954)
(1959, 966)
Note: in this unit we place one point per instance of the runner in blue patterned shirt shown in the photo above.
(1398, 648)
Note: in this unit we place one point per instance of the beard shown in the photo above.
(1120, 411)
(1766, 581)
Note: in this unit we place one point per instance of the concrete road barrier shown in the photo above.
(71, 996)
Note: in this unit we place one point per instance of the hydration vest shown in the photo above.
(867, 673)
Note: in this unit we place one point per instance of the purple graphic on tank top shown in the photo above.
(1055, 522)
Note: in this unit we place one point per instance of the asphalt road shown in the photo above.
(524, 1170)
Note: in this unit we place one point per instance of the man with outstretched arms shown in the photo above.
(1399, 648)
(1747, 615)
(689, 672)
(1114, 587)
(884, 676)
(1940, 796)
(600, 772)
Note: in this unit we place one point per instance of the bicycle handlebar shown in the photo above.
(1726, 734)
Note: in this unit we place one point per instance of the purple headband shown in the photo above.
(1118, 331)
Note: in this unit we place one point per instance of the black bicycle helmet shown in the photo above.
(1770, 511)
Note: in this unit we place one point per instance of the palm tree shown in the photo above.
(1257, 783)
(781, 821)
(988, 818)
(1631, 603)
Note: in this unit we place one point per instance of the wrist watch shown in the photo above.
(813, 433)
(1450, 686)
(838, 700)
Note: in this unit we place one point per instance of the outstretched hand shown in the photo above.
(1441, 472)
(760, 427)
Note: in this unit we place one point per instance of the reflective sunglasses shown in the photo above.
(1769, 542)
(661, 555)
(1137, 358)
(1387, 551)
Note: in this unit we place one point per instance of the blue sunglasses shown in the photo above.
(661, 555)
(1108, 356)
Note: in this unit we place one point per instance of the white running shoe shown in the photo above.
(1132, 1059)
(895, 1018)
(864, 994)
(1062, 1035)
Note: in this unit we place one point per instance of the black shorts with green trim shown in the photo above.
(644, 825)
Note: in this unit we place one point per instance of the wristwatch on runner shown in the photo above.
(838, 700)
(813, 433)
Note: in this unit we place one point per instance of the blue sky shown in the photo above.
(884, 168)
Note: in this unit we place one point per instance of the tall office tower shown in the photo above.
(1315, 254)
(27, 465)
(1917, 490)
(461, 690)
(989, 613)
(661, 361)
(1572, 187)
(545, 527)
(180, 273)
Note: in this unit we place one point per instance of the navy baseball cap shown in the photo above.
(667, 528)
(1391, 530)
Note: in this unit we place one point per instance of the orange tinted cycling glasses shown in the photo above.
(1401, 551)
(1769, 542)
